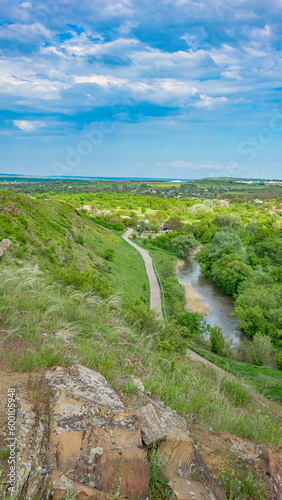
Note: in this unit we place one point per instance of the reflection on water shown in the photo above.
(221, 305)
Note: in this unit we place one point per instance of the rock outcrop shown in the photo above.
(91, 447)
(4, 245)
(268, 463)
(189, 476)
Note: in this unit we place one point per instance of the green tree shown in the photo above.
(229, 272)
(217, 340)
(225, 220)
(154, 225)
(142, 226)
(183, 245)
(224, 242)
(173, 224)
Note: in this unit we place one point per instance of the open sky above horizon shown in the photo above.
(174, 88)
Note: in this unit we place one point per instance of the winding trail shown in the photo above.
(155, 296)
(155, 293)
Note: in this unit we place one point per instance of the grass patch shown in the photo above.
(237, 393)
(159, 483)
(239, 482)
(59, 325)
(267, 381)
(130, 387)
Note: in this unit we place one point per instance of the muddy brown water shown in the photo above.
(221, 305)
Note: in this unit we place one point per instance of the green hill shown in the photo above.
(69, 247)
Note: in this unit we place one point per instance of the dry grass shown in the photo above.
(194, 302)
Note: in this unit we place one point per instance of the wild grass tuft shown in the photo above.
(50, 325)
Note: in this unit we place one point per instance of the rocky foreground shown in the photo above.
(92, 447)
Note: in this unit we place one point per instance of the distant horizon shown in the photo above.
(171, 179)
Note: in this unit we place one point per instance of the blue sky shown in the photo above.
(180, 88)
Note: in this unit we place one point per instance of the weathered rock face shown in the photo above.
(268, 463)
(4, 245)
(185, 467)
(92, 444)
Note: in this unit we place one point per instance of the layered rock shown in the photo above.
(189, 476)
(91, 447)
(268, 463)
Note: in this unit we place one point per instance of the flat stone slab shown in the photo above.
(152, 429)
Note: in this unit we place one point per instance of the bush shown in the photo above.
(256, 352)
(79, 239)
(192, 321)
(217, 340)
(278, 360)
(109, 254)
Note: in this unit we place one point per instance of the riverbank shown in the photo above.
(204, 297)
(194, 303)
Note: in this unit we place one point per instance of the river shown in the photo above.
(219, 305)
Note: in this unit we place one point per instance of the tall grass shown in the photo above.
(43, 324)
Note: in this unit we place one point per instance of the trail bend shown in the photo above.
(155, 293)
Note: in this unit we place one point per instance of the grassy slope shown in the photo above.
(268, 381)
(44, 326)
(38, 231)
(37, 320)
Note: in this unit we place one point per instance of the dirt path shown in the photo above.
(155, 293)
(196, 357)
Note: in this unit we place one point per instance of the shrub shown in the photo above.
(217, 340)
(109, 254)
(79, 239)
(192, 321)
(278, 360)
(256, 352)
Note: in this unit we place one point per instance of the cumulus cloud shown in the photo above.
(28, 126)
(103, 52)
(210, 102)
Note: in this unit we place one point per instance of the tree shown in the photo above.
(252, 229)
(173, 224)
(225, 220)
(229, 272)
(217, 340)
(154, 225)
(224, 242)
(142, 226)
(183, 245)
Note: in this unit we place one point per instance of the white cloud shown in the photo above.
(210, 102)
(102, 80)
(24, 32)
(28, 126)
